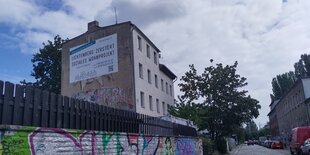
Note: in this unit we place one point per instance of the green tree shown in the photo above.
(251, 130)
(302, 67)
(47, 66)
(281, 84)
(187, 110)
(218, 91)
(265, 131)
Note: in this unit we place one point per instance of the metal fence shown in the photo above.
(29, 106)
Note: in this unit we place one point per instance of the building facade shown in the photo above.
(292, 110)
(273, 119)
(117, 66)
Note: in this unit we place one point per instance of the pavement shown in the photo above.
(244, 149)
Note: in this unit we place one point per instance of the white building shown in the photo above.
(137, 80)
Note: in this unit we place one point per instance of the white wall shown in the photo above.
(140, 56)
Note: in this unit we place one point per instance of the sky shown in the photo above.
(266, 37)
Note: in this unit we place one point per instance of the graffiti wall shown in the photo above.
(36, 141)
(107, 96)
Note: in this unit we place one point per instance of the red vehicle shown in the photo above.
(276, 145)
(297, 138)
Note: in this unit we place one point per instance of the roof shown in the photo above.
(166, 71)
(98, 28)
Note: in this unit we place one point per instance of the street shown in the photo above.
(257, 150)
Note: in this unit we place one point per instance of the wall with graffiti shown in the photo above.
(36, 141)
(113, 97)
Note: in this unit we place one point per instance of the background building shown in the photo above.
(117, 66)
(292, 110)
(273, 120)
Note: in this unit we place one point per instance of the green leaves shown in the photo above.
(217, 98)
(47, 66)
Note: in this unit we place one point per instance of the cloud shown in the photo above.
(144, 13)
(17, 12)
(265, 37)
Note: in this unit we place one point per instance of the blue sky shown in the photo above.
(266, 37)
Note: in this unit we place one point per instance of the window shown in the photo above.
(170, 90)
(166, 87)
(149, 76)
(142, 99)
(156, 81)
(151, 102)
(157, 105)
(139, 43)
(155, 57)
(162, 84)
(148, 54)
(164, 108)
(140, 71)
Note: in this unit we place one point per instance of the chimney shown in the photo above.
(94, 25)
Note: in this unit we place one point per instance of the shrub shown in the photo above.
(221, 145)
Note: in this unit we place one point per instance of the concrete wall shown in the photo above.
(114, 90)
(31, 140)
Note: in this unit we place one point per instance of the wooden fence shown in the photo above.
(29, 106)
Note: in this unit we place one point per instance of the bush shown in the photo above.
(221, 145)
(207, 146)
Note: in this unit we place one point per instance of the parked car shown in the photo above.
(267, 143)
(250, 142)
(305, 148)
(297, 139)
(276, 145)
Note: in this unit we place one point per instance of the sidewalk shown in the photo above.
(235, 150)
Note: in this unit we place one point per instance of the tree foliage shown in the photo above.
(302, 67)
(47, 66)
(223, 105)
(281, 84)
(187, 110)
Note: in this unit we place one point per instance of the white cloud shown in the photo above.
(266, 37)
(16, 11)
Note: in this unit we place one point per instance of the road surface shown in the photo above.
(257, 150)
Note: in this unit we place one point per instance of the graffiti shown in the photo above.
(60, 141)
(185, 146)
(108, 96)
(165, 146)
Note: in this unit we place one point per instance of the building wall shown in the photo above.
(143, 85)
(31, 140)
(114, 90)
(291, 110)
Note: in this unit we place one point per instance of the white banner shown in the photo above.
(93, 59)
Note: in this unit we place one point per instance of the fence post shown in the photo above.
(1, 100)
(8, 103)
(97, 117)
(101, 120)
(37, 108)
(45, 108)
(60, 111)
(83, 115)
(92, 116)
(72, 113)
(66, 112)
(77, 114)
(52, 110)
(87, 116)
(18, 105)
(28, 109)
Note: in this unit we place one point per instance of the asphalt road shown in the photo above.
(257, 150)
